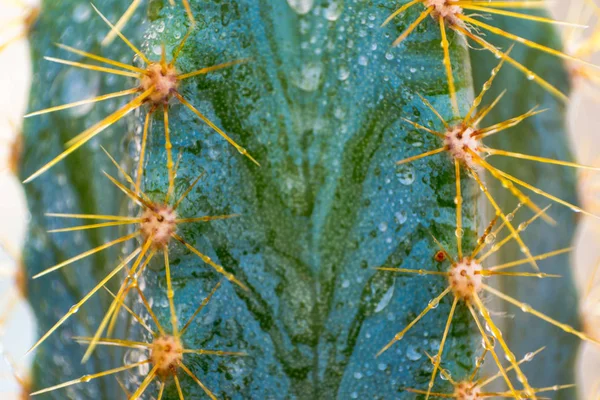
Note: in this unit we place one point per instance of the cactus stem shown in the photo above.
(132, 9)
(470, 389)
(438, 358)
(157, 226)
(166, 352)
(450, 13)
(466, 281)
(158, 84)
(501, 368)
(121, 22)
(463, 143)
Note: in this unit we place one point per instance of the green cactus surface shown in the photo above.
(319, 104)
(546, 136)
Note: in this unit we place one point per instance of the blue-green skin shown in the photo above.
(325, 208)
(74, 185)
(310, 233)
(544, 135)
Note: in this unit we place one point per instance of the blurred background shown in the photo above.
(16, 321)
(17, 330)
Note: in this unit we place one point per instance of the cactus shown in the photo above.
(286, 158)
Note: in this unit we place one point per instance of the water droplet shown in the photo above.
(82, 12)
(406, 174)
(339, 113)
(358, 375)
(459, 233)
(333, 11)
(487, 328)
(413, 354)
(363, 60)
(79, 84)
(383, 227)
(484, 344)
(157, 49)
(309, 78)
(343, 72)
(489, 239)
(301, 6)
(401, 217)
(523, 249)
(381, 366)
(385, 300)
(389, 56)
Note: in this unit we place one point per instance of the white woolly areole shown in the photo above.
(164, 80)
(158, 222)
(445, 9)
(166, 354)
(466, 391)
(459, 140)
(465, 278)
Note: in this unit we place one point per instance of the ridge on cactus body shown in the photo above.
(463, 142)
(466, 282)
(166, 355)
(451, 13)
(132, 9)
(471, 389)
(157, 227)
(158, 83)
